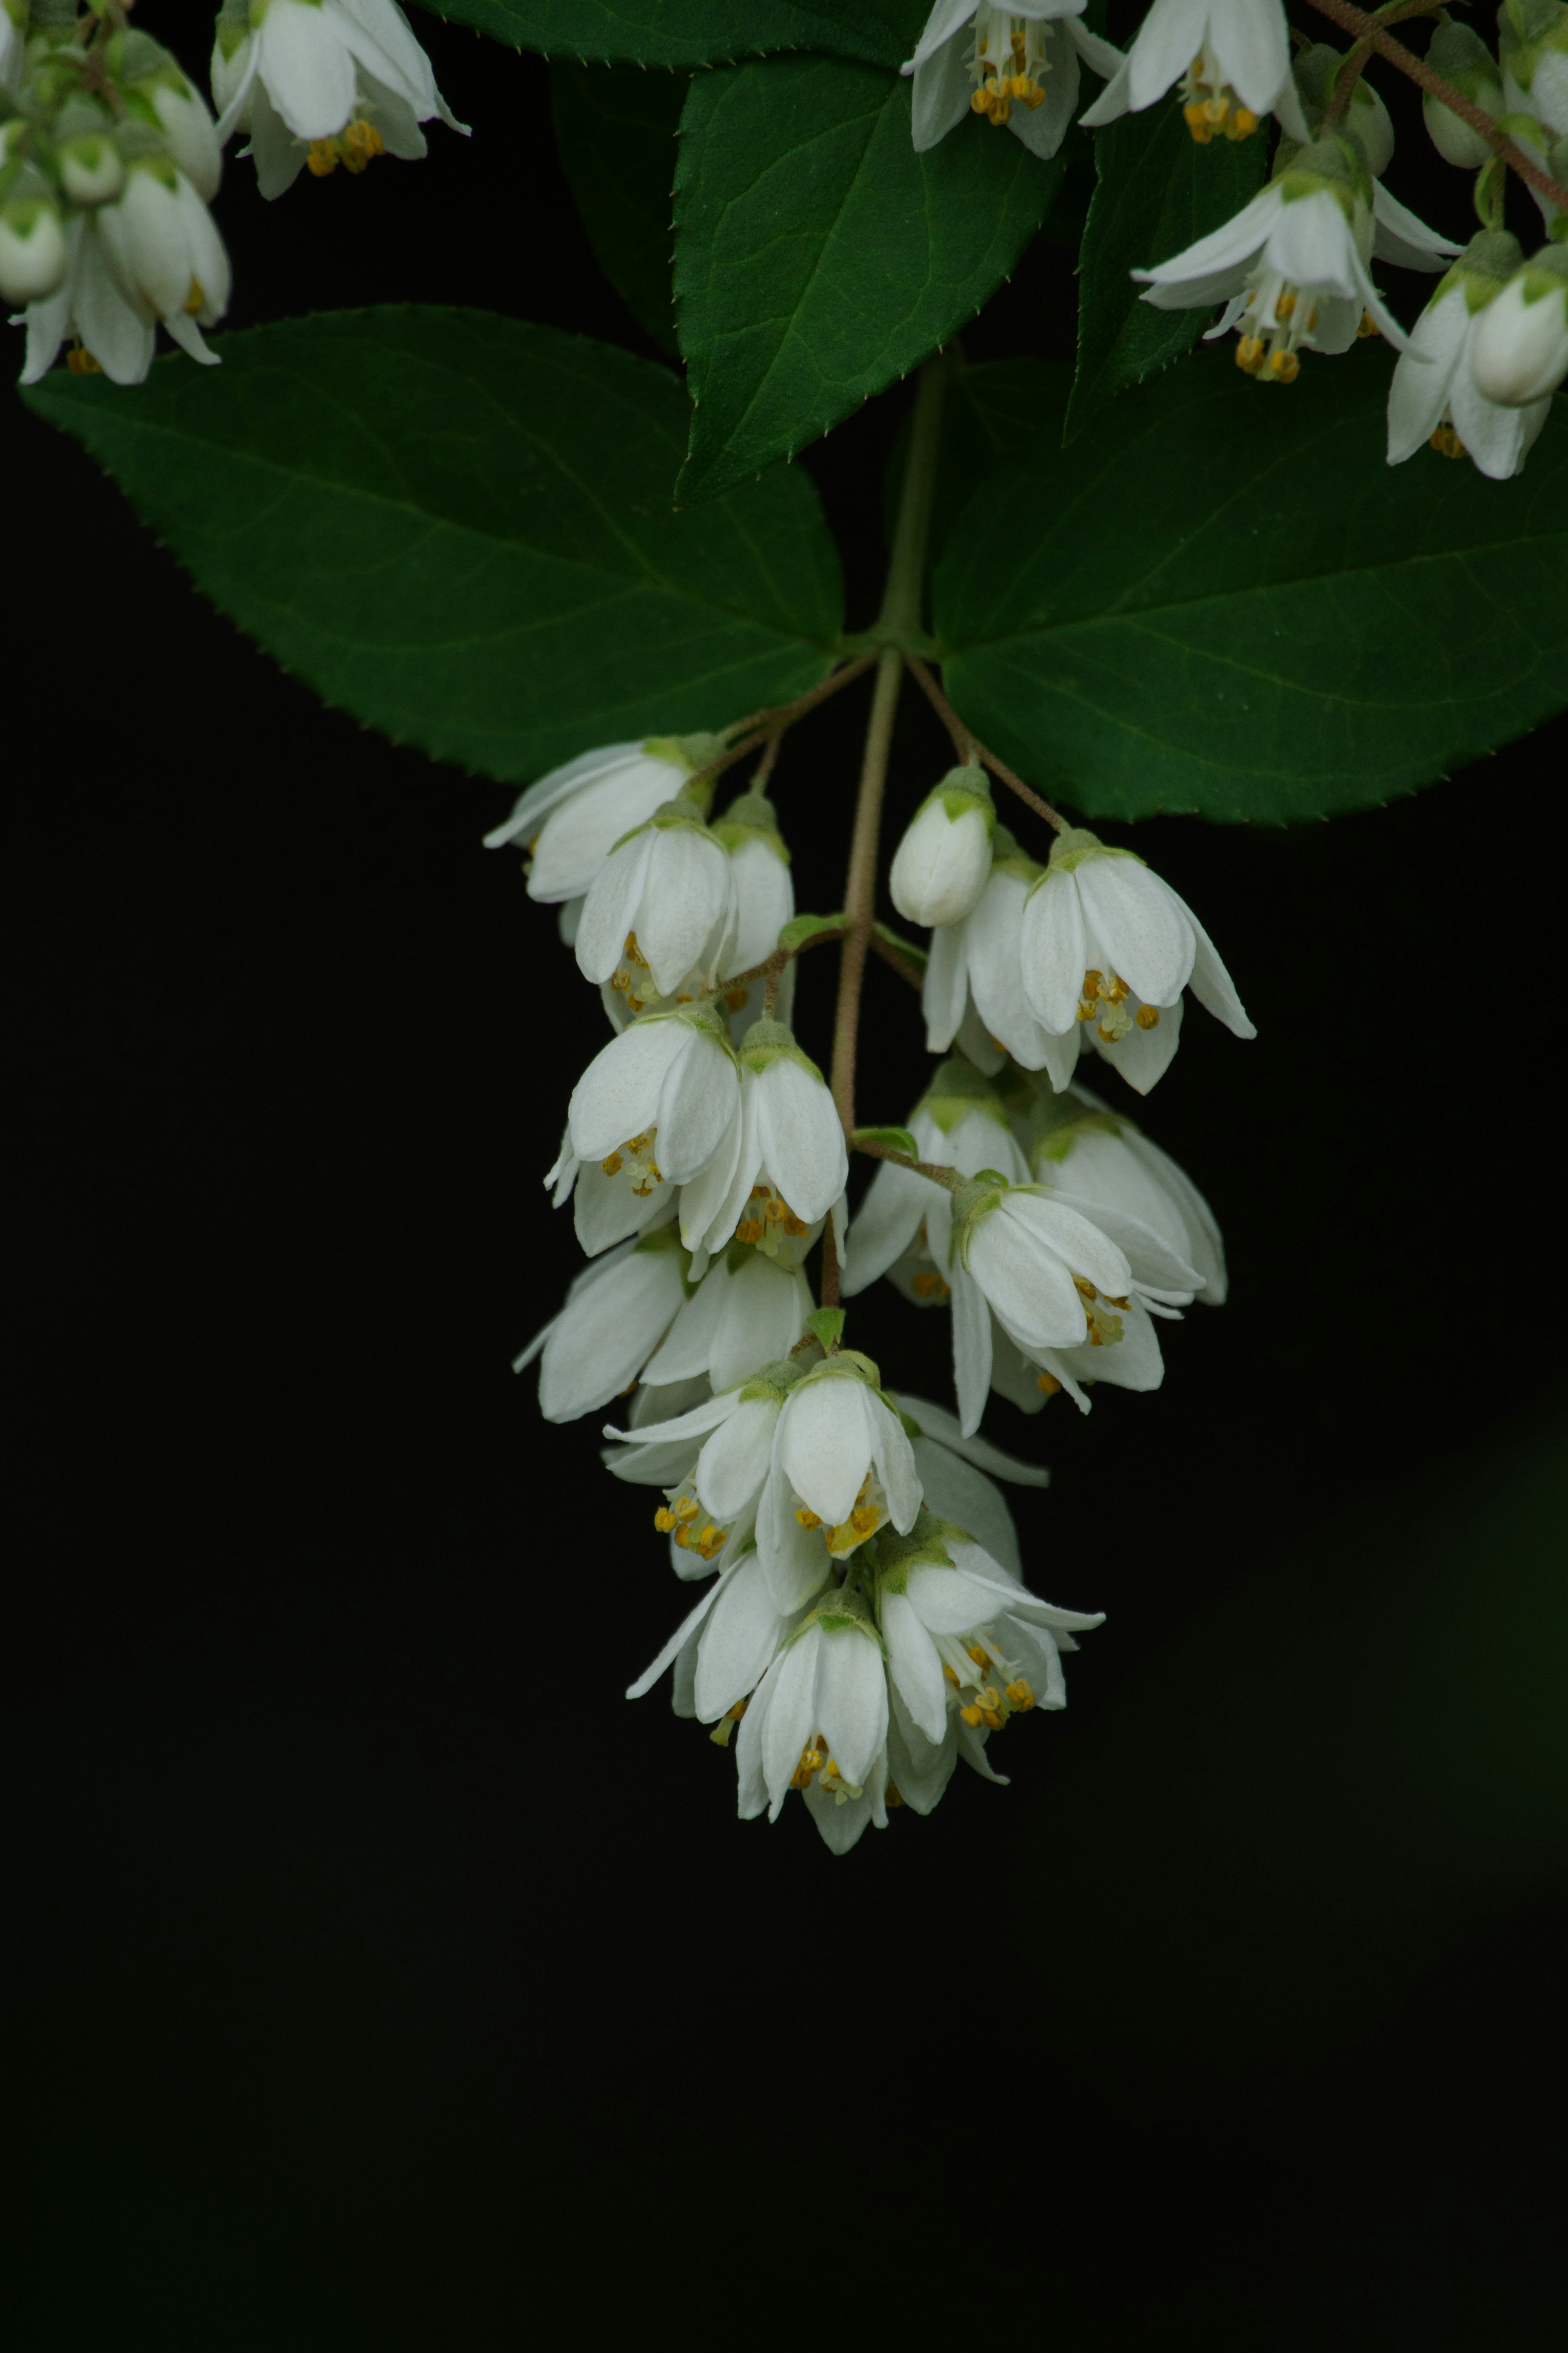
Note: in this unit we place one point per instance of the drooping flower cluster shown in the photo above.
(865, 1622)
(108, 158)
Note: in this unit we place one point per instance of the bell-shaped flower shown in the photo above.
(34, 253)
(973, 986)
(1080, 1146)
(959, 1631)
(725, 1645)
(1291, 266)
(153, 92)
(661, 1099)
(820, 1714)
(115, 333)
(782, 1164)
(165, 254)
(944, 862)
(959, 1123)
(617, 1313)
(1231, 58)
(1519, 353)
(749, 1310)
(1435, 398)
(1459, 53)
(1106, 943)
(840, 1463)
(663, 900)
(1056, 1273)
(322, 82)
(571, 819)
(1017, 65)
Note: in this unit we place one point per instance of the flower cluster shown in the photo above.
(865, 1622)
(110, 158)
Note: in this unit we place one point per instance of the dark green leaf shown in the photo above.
(615, 127)
(459, 528)
(1159, 192)
(695, 32)
(818, 257)
(1220, 599)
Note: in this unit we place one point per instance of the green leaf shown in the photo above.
(1221, 599)
(459, 528)
(891, 1139)
(615, 131)
(818, 257)
(1158, 192)
(694, 32)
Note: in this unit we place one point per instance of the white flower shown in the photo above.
(959, 1123)
(828, 1680)
(168, 262)
(1056, 1272)
(92, 306)
(33, 250)
(960, 1633)
(1519, 353)
(154, 91)
(322, 82)
(617, 1313)
(728, 1641)
(1533, 39)
(662, 897)
(973, 986)
(840, 1463)
(1232, 58)
(764, 903)
(1104, 942)
(1292, 266)
(573, 817)
(748, 1311)
(1459, 53)
(1434, 396)
(782, 1163)
(1101, 1158)
(668, 1085)
(944, 862)
(1016, 65)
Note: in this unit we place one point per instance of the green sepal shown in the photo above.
(891, 1139)
(826, 1325)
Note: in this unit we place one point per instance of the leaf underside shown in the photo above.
(1221, 600)
(458, 529)
(694, 32)
(818, 257)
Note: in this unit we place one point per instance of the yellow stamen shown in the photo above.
(1147, 1017)
(807, 1519)
(81, 361)
(1446, 441)
(1048, 1384)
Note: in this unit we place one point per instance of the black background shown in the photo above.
(383, 1977)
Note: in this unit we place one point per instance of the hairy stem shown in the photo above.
(969, 747)
(762, 728)
(1356, 20)
(937, 1171)
(899, 616)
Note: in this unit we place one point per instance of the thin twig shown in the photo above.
(860, 882)
(906, 968)
(1350, 71)
(961, 734)
(1356, 20)
(829, 1285)
(938, 1174)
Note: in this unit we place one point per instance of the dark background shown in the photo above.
(383, 1978)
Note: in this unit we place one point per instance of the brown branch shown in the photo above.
(938, 1174)
(905, 966)
(1356, 20)
(830, 1284)
(973, 749)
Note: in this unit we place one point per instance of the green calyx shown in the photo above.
(843, 1610)
(1008, 856)
(1337, 163)
(752, 818)
(662, 1239)
(974, 1201)
(1483, 269)
(1459, 53)
(695, 1016)
(847, 1363)
(962, 793)
(1545, 273)
(766, 1040)
(1072, 847)
(956, 1088)
(775, 1380)
(1056, 1123)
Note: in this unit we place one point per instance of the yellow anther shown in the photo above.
(863, 1519)
(949, 1677)
(758, 1193)
(750, 1230)
(1147, 1017)
(807, 1519)
(1215, 109)
(664, 1519)
(194, 298)
(978, 102)
(682, 1539)
(1249, 353)
(1242, 124)
(977, 1655)
(320, 159)
(1285, 305)
(892, 1794)
(687, 1509)
(931, 1286)
(973, 1717)
(1446, 441)
(711, 1541)
(1093, 983)
(81, 361)
(1048, 1384)
(1020, 1694)
(633, 954)
(1084, 1288)
(1117, 993)
(1197, 123)
(794, 1226)
(613, 1166)
(1284, 366)
(774, 1212)
(1367, 325)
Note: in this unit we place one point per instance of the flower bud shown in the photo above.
(1520, 348)
(1533, 42)
(943, 861)
(91, 170)
(1316, 72)
(32, 249)
(1462, 58)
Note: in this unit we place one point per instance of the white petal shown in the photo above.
(956, 1491)
(611, 908)
(851, 1701)
(765, 1314)
(802, 1138)
(738, 1643)
(888, 1219)
(677, 1642)
(914, 1664)
(788, 1724)
(970, 1349)
(1142, 925)
(697, 1102)
(1053, 950)
(944, 991)
(734, 1462)
(823, 1444)
(602, 1341)
(1143, 1055)
(895, 1461)
(617, 1096)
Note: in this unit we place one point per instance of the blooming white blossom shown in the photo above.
(748, 1310)
(321, 82)
(616, 1311)
(1291, 266)
(974, 985)
(782, 1163)
(669, 1086)
(764, 904)
(571, 819)
(1016, 65)
(1434, 396)
(1106, 943)
(663, 898)
(1519, 353)
(166, 253)
(1232, 58)
(1098, 1156)
(959, 1123)
(829, 1678)
(726, 1643)
(944, 862)
(958, 1476)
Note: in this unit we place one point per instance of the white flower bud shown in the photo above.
(1533, 42)
(943, 861)
(91, 169)
(166, 254)
(1519, 351)
(1459, 53)
(663, 898)
(190, 131)
(32, 250)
